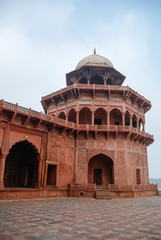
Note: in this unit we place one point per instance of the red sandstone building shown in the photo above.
(91, 141)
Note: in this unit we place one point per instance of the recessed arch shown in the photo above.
(83, 80)
(62, 115)
(127, 118)
(85, 116)
(21, 167)
(134, 121)
(100, 116)
(100, 170)
(72, 115)
(96, 79)
(109, 82)
(115, 117)
(141, 124)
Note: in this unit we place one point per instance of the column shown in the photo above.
(130, 121)
(2, 169)
(108, 119)
(92, 117)
(123, 119)
(39, 185)
(77, 117)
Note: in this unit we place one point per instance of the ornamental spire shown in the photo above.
(94, 51)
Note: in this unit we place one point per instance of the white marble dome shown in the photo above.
(94, 60)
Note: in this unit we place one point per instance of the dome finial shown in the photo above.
(94, 51)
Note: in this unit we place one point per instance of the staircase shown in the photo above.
(102, 192)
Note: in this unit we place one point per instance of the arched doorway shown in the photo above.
(85, 116)
(62, 115)
(115, 117)
(72, 115)
(100, 117)
(100, 170)
(21, 168)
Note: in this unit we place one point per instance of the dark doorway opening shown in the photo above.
(98, 176)
(101, 170)
(51, 179)
(21, 168)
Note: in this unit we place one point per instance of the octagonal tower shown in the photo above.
(107, 124)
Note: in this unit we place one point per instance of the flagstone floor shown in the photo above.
(71, 218)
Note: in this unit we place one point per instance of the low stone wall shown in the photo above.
(31, 194)
(78, 190)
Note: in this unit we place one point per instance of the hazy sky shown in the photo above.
(42, 40)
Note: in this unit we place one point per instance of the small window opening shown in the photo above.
(138, 176)
(81, 194)
(116, 123)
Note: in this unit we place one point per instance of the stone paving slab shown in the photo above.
(81, 219)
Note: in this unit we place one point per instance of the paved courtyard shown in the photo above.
(71, 218)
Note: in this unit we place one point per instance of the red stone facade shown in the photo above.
(92, 136)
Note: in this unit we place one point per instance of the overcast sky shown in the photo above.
(42, 40)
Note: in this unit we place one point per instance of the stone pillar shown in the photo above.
(137, 123)
(2, 169)
(130, 121)
(92, 117)
(108, 118)
(123, 118)
(77, 117)
(39, 182)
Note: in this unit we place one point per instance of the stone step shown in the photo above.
(103, 198)
(103, 194)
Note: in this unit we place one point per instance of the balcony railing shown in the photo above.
(71, 125)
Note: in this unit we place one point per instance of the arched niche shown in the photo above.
(100, 117)
(109, 82)
(62, 115)
(96, 79)
(141, 124)
(127, 118)
(72, 115)
(115, 117)
(134, 121)
(83, 80)
(85, 116)
(100, 170)
(21, 167)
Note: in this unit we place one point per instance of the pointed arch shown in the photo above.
(21, 167)
(115, 117)
(83, 80)
(134, 121)
(100, 116)
(100, 170)
(72, 115)
(127, 118)
(141, 124)
(109, 82)
(85, 116)
(96, 79)
(62, 115)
